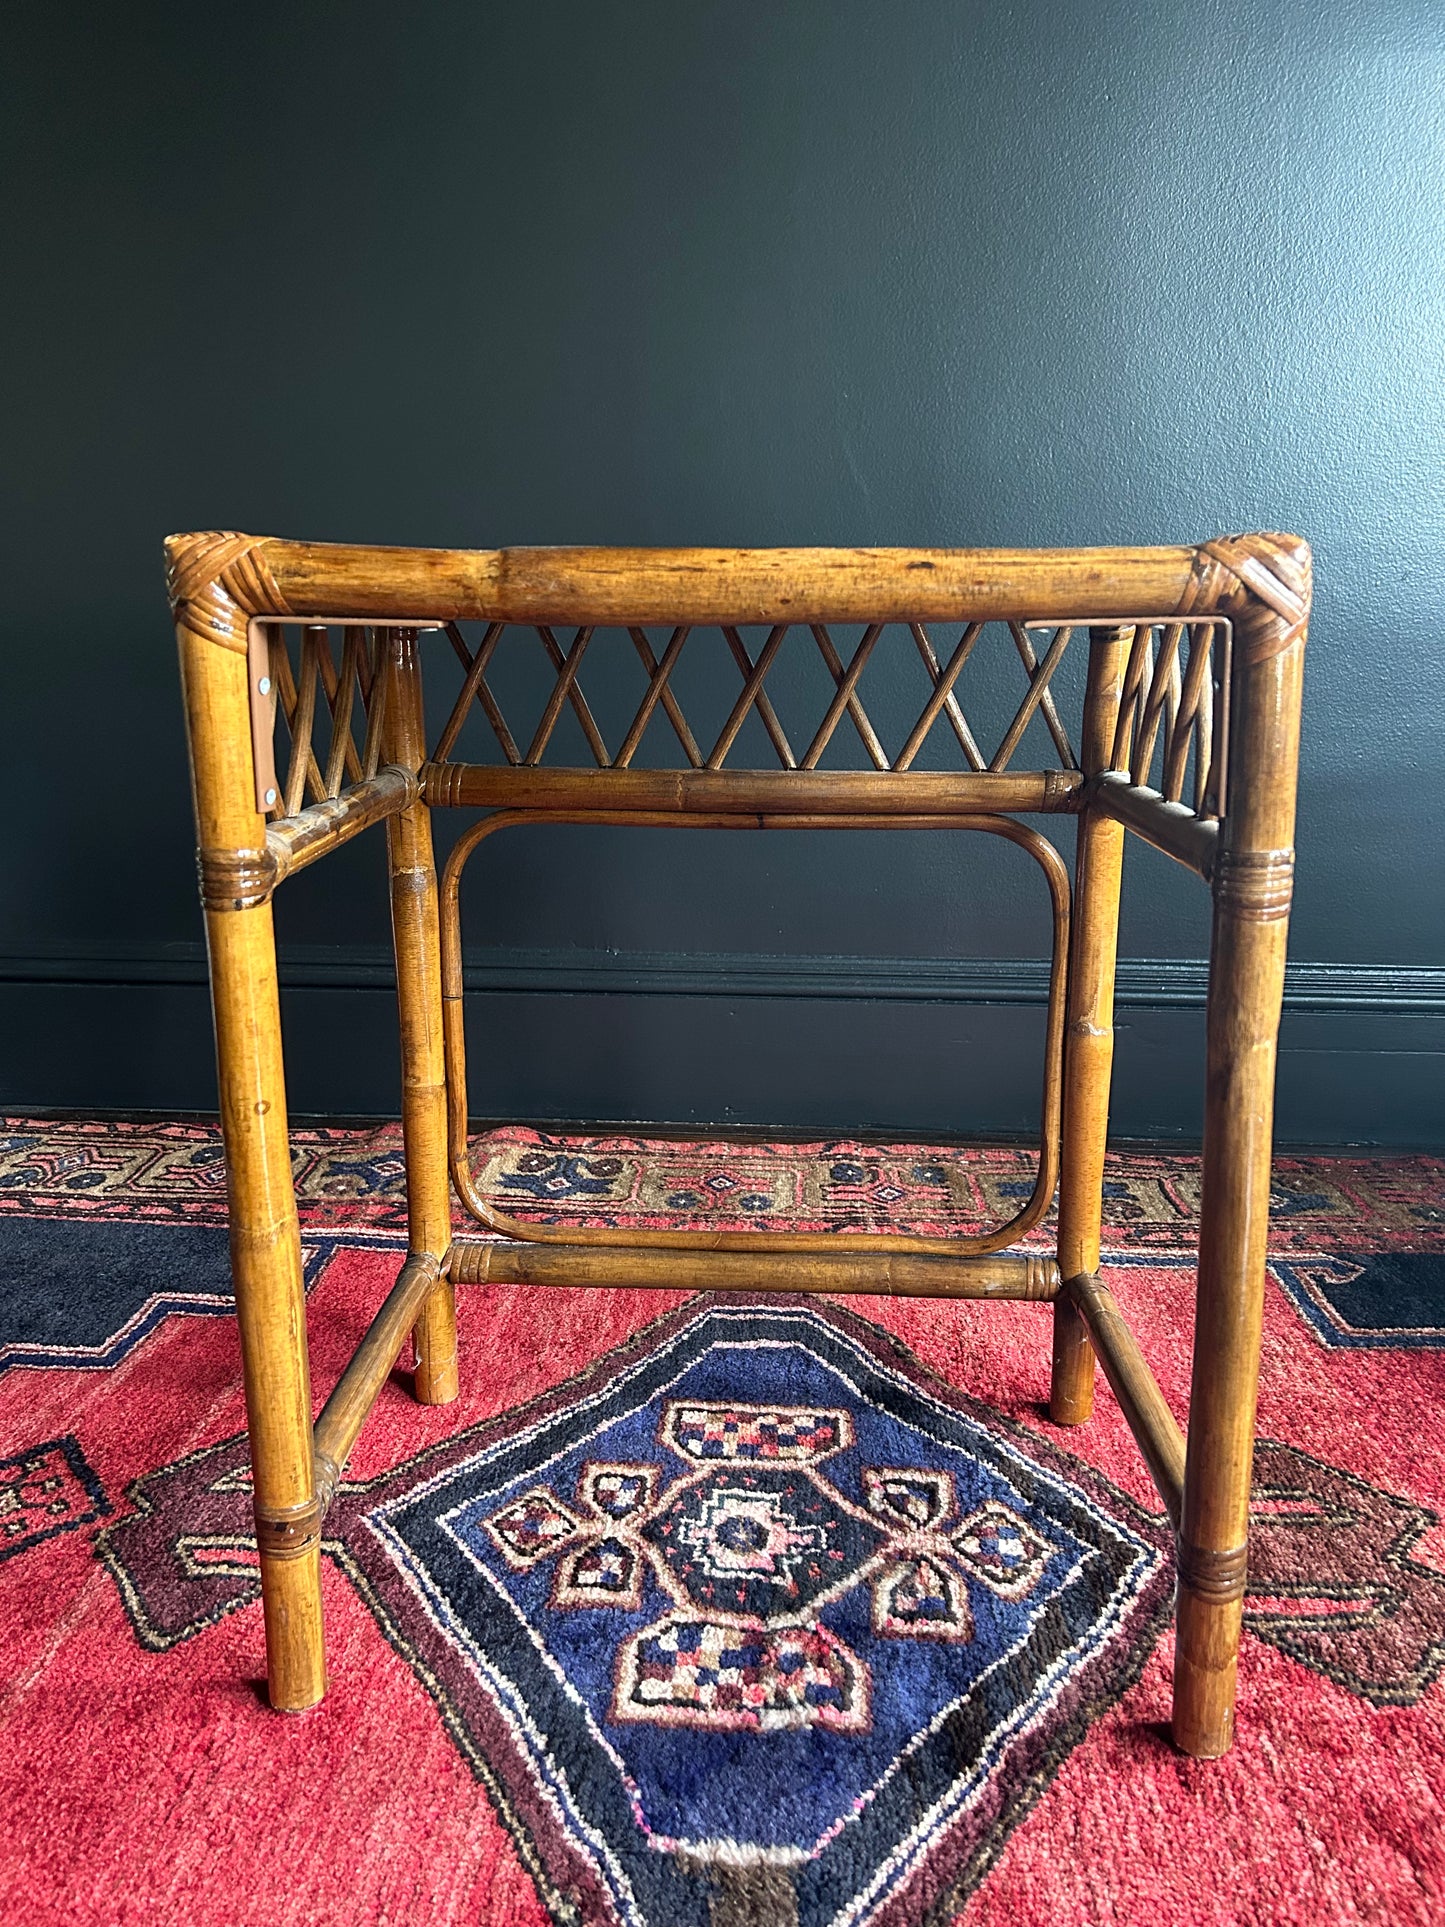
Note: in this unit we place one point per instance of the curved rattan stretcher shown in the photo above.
(1189, 738)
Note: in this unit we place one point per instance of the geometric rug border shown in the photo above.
(317, 1251)
(1323, 1320)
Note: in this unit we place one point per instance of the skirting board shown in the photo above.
(1143, 983)
(918, 1044)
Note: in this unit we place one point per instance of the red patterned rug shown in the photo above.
(707, 1610)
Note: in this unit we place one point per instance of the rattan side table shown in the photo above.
(1189, 738)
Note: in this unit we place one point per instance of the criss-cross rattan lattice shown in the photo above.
(323, 697)
(332, 703)
(753, 697)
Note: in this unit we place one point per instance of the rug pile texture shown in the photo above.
(723, 1611)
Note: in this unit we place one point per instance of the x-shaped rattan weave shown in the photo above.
(753, 697)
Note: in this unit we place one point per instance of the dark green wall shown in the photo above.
(826, 272)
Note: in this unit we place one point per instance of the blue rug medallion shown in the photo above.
(756, 1601)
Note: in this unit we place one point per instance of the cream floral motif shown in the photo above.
(748, 1546)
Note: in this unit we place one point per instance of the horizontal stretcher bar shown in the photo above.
(614, 585)
(298, 840)
(765, 792)
(1191, 840)
(1006, 1274)
(240, 879)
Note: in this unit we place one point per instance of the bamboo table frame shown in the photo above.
(1194, 666)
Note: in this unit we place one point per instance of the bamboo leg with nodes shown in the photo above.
(417, 938)
(265, 1236)
(1252, 889)
(1089, 1039)
(270, 1299)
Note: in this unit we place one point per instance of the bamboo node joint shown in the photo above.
(237, 879)
(1215, 1577)
(1256, 884)
(327, 1476)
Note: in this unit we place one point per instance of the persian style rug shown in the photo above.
(707, 1611)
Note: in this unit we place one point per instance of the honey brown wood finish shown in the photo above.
(265, 1232)
(416, 937)
(1253, 885)
(905, 1274)
(1089, 1044)
(1189, 739)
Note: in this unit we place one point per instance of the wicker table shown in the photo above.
(1189, 738)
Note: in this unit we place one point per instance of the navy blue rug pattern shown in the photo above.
(1386, 1300)
(80, 1294)
(46, 1490)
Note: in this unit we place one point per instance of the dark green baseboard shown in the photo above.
(1145, 983)
(832, 1043)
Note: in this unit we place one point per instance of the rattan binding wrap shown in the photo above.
(1231, 572)
(1258, 884)
(1218, 1577)
(217, 581)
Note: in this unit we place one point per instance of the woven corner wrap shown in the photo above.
(217, 580)
(1266, 575)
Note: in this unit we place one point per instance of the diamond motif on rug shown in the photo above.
(1002, 1550)
(47, 1490)
(758, 1592)
(759, 1541)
